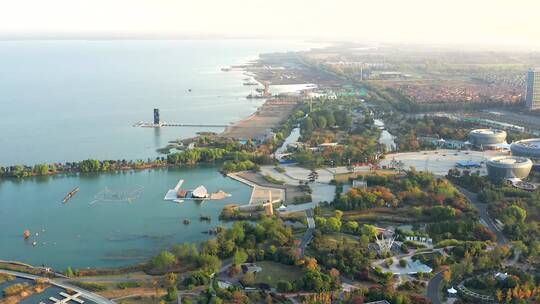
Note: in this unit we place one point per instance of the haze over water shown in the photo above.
(72, 100)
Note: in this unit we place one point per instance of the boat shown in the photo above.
(70, 195)
(226, 69)
(205, 218)
(251, 83)
(187, 222)
(256, 96)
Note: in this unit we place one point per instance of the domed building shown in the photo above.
(508, 167)
(486, 137)
(527, 148)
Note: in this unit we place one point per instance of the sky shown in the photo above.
(504, 22)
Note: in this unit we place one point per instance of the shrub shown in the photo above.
(15, 289)
(91, 286)
(124, 285)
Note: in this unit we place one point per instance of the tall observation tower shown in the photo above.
(156, 117)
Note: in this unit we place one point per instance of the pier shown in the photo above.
(144, 124)
(67, 298)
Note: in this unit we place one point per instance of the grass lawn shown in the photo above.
(378, 215)
(273, 272)
(344, 177)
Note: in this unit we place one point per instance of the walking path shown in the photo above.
(434, 285)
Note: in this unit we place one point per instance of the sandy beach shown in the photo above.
(270, 115)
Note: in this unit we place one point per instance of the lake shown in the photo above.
(116, 232)
(72, 100)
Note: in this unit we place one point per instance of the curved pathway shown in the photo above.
(434, 285)
(433, 288)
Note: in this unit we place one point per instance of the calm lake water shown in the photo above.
(84, 233)
(71, 100)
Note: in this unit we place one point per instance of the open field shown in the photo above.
(273, 272)
(257, 126)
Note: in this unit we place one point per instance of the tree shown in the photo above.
(240, 256)
(447, 276)
(369, 231)
(248, 279)
(170, 279)
(517, 214)
(163, 260)
(69, 272)
(321, 122)
(308, 125)
(284, 286)
(172, 294)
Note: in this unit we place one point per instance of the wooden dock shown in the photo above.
(67, 298)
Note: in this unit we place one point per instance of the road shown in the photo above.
(308, 235)
(484, 215)
(85, 293)
(433, 288)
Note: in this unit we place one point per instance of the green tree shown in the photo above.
(164, 260)
(240, 256)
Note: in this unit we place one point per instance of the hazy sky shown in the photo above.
(453, 21)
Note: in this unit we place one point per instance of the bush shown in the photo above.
(272, 180)
(91, 286)
(172, 294)
(124, 285)
(402, 263)
(448, 242)
(15, 289)
(197, 279)
(284, 286)
(163, 260)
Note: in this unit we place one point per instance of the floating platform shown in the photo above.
(199, 193)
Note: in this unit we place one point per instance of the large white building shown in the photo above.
(529, 148)
(508, 167)
(533, 89)
(484, 137)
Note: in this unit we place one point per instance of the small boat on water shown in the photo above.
(70, 195)
(187, 222)
(205, 218)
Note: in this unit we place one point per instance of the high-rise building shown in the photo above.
(156, 117)
(533, 89)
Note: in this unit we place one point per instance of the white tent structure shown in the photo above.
(200, 192)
